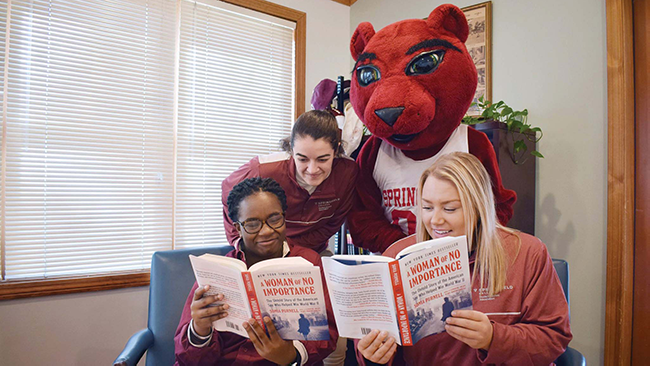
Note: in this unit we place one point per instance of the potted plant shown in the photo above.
(517, 127)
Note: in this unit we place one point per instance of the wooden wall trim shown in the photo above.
(301, 63)
(21, 289)
(641, 312)
(620, 182)
(300, 35)
(345, 2)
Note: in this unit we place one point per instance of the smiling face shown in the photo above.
(442, 211)
(267, 243)
(313, 159)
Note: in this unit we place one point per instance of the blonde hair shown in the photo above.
(474, 187)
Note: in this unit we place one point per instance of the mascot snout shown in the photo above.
(389, 114)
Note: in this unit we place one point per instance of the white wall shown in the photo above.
(92, 328)
(550, 57)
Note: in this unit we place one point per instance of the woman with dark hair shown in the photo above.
(256, 207)
(317, 178)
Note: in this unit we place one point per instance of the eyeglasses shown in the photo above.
(253, 226)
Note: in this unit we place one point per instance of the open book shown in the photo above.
(288, 290)
(410, 297)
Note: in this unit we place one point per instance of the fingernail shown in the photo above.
(453, 313)
(226, 306)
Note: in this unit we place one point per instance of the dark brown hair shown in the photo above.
(317, 125)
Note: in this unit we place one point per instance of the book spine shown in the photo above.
(400, 304)
(252, 298)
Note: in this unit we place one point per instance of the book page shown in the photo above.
(436, 281)
(292, 296)
(222, 260)
(228, 281)
(281, 263)
(356, 259)
(362, 298)
(426, 244)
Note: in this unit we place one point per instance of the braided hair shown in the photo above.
(249, 187)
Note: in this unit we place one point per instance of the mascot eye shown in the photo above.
(367, 75)
(425, 63)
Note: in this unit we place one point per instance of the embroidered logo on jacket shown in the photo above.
(326, 205)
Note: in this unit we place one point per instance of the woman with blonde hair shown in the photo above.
(520, 315)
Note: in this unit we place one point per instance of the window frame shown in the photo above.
(73, 284)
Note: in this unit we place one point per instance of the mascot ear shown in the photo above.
(360, 39)
(450, 18)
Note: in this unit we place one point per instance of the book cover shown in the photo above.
(437, 281)
(288, 290)
(409, 297)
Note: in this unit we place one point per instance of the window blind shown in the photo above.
(3, 36)
(235, 101)
(89, 163)
(121, 124)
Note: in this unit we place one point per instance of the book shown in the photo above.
(288, 290)
(409, 297)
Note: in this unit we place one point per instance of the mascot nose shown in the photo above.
(389, 115)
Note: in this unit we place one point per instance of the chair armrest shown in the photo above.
(135, 348)
(571, 357)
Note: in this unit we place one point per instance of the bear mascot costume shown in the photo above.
(412, 83)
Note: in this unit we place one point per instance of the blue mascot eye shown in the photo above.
(425, 63)
(367, 75)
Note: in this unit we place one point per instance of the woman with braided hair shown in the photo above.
(256, 206)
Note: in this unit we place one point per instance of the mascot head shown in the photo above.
(414, 80)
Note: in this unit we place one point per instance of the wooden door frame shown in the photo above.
(620, 182)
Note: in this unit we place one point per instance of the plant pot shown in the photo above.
(518, 177)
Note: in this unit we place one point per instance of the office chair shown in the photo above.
(570, 357)
(172, 279)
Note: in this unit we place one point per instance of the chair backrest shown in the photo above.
(562, 269)
(172, 279)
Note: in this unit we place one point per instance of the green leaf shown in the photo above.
(470, 120)
(514, 125)
(520, 145)
(537, 153)
(536, 129)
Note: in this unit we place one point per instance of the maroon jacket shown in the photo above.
(530, 315)
(369, 227)
(311, 219)
(227, 348)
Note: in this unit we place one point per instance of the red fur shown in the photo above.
(435, 103)
(360, 38)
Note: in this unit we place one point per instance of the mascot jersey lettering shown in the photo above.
(397, 177)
